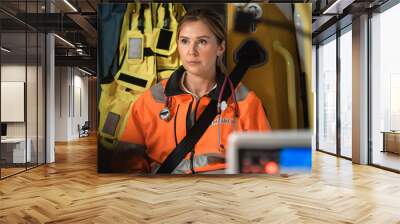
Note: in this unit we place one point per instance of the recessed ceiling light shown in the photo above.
(70, 5)
(5, 50)
(64, 40)
(84, 71)
(337, 7)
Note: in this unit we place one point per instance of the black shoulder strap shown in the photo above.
(250, 54)
(195, 133)
(186, 145)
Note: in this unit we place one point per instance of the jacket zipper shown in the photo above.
(176, 115)
(194, 121)
(189, 125)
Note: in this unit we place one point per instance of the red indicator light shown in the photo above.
(271, 168)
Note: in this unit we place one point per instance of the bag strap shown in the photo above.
(249, 54)
(109, 77)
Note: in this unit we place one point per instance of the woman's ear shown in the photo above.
(221, 48)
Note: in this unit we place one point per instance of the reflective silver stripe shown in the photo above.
(222, 171)
(111, 123)
(241, 92)
(198, 161)
(126, 146)
(157, 91)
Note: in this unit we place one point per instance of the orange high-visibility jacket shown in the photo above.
(146, 130)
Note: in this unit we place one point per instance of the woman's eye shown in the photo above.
(203, 42)
(184, 41)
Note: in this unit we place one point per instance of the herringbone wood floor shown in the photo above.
(71, 191)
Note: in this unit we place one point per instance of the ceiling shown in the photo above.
(22, 21)
(332, 15)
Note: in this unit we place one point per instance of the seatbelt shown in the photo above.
(249, 54)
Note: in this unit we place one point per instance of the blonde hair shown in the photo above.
(214, 23)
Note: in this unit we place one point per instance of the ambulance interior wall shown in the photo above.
(269, 81)
(286, 10)
(71, 102)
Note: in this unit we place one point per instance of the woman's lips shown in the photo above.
(193, 62)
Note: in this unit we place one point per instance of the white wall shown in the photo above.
(33, 127)
(80, 110)
(16, 73)
(61, 103)
(12, 73)
(71, 94)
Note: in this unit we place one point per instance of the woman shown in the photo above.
(162, 116)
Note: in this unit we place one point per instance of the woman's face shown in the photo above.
(198, 48)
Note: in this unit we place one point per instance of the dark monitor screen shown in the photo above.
(3, 129)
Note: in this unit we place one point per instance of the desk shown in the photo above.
(391, 141)
(13, 150)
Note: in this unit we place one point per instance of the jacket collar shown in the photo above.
(173, 87)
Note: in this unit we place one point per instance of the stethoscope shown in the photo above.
(165, 113)
(222, 105)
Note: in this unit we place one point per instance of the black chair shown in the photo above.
(84, 130)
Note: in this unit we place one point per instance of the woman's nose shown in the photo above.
(193, 48)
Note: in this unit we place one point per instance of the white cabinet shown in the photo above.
(16, 147)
